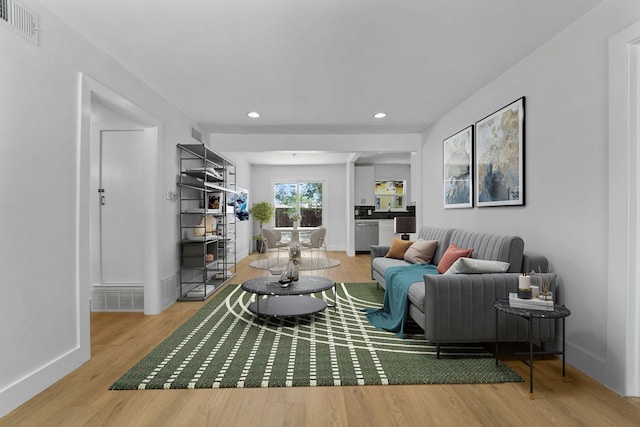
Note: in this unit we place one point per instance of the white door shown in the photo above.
(121, 206)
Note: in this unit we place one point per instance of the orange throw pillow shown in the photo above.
(398, 248)
(451, 255)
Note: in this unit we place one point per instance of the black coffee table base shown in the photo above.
(286, 306)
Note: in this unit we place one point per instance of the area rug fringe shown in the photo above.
(222, 345)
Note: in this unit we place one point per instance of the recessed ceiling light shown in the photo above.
(253, 114)
(380, 115)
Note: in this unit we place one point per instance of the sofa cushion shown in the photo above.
(398, 248)
(451, 255)
(416, 294)
(471, 266)
(493, 247)
(380, 264)
(421, 252)
(442, 235)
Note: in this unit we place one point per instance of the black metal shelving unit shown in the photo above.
(207, 222)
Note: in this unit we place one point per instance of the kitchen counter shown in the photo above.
(361, 212)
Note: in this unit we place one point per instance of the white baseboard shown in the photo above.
(30, 385)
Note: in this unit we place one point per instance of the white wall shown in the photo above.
(566, 190)
(44, 306)
(336, 192)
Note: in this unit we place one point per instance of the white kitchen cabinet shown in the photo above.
(385, 232)
(364, 186)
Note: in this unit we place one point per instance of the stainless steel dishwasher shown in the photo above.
(366, 235)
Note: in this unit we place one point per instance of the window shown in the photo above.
(302, 197)
(390, 195)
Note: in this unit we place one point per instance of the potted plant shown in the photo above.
(295, 217)
(261, 212)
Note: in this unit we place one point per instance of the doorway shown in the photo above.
(146, 190)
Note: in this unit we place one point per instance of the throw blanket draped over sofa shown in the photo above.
(459, 307)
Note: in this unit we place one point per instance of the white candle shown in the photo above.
(524, 282)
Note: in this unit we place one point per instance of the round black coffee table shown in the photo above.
(291, 300)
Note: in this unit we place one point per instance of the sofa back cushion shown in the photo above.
(451, 255)
(494, 247)
(421, 251)
(442, 235)
(398, 248)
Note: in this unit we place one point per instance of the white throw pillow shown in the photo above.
(471, 265)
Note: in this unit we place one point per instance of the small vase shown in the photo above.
(293, 270)
(296, 224)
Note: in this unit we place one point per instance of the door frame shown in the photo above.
(623, 291)
(152, 141)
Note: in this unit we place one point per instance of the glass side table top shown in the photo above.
(558, 312)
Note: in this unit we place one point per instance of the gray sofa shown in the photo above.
(458, 308)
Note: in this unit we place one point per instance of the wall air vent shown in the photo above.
(195, 134)
(20, 20)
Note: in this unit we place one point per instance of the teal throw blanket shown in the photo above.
(393, 315)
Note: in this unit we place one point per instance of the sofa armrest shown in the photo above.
(459, 308)
(534, 263)
(377, 251)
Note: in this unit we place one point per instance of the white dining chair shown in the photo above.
(317, 240)
(272, 242)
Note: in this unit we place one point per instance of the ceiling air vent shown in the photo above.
(20, 20)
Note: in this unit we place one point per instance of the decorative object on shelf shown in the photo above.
(207, 226)
(296, 218)
(524, 286)
(457, 163)
(499, 157)
(404, 225)
(293, 267)
(214, 202)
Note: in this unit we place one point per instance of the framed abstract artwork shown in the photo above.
(238, 203)
(499, 157)
(457, 161)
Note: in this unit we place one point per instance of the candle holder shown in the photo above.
(524, 287)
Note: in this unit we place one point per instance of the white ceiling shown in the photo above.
(318, 66)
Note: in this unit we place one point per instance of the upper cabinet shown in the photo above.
(390, 195)
(364, 185)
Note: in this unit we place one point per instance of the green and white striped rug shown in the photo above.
(223, 346)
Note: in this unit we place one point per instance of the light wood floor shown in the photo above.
(119, 340)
